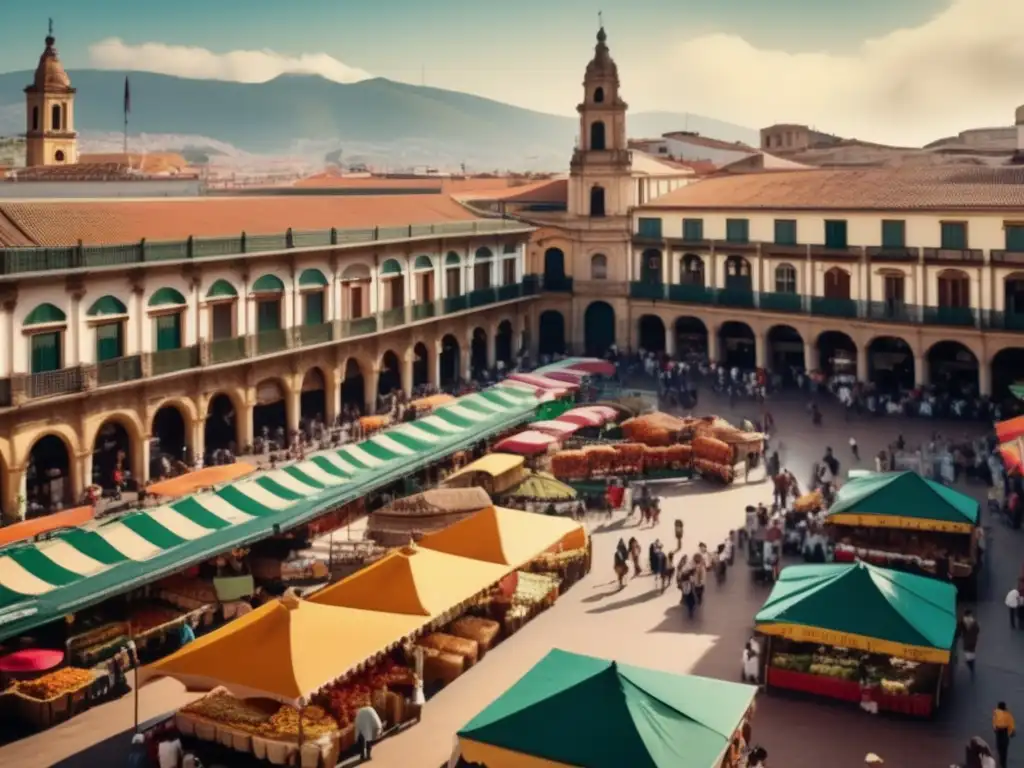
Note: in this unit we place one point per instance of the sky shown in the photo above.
(904, 72)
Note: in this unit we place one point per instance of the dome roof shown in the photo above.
(602, 65)
(50, 74)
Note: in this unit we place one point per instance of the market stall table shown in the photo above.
(891, 635)
(574, 710)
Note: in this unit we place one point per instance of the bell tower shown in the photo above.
(601, 169)
(50, 137)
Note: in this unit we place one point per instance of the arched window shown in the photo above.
(598, 267)
(599, 95)
(837, 284)
(597, 201)
(691, 270)
(35, 118)
(597, 135)
(954, 289)
(785, 278)
(55, 117)
(59, 155)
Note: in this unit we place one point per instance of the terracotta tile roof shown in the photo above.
(704, 141)
(148, 162)
(544, 191)
(116, 170)
(915, 188)
(109, 222)
(441, 184)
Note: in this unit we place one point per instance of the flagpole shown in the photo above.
(127, 109)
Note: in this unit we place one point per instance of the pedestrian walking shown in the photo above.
(1013, 605)
(634, 553)
(854, 449)
(1005, 729)
(621, 563)
(685, 584)
(969, 631)
(679, 534)
(369, 729)
(700, 578)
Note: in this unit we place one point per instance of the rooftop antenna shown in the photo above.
(600, 19)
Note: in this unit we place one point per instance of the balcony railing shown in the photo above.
(889, 253)
(557, 283)
(119, 370)
(794, 303)
(1007, 257)
(221, 351)
(953, 254)
(830, 252)
(15, 261)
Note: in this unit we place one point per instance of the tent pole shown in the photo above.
(135, 686)
(301, 710)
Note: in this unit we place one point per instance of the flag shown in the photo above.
(127, 97)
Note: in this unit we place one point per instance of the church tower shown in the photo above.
(50, 137)
(600, 184)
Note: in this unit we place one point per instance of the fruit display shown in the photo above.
(654, 429)
(631, 458)
(714, 471)
(570, 465)
(221, 707)
(712, 449)
(284, 724)
(601, 459)
(679, 456)
(54, 684)
(343, 700)
(150, 616)
(535, 588)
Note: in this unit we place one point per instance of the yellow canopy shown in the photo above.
(284, 650)
(506, 536)
(413, 581)
(493, 464)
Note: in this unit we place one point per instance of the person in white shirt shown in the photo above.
(1013, 603)
(369, 729)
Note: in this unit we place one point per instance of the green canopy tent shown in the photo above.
(903, 500)
(861, 606)
(573, 710)
(1017, 390)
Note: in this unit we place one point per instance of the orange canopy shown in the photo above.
(413, 581)
(284, 650)
(29, 529)
(431, 402)
(506, 536)
(1009, 430)
(192, 482)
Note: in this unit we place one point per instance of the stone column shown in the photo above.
(670, 341)
(863, 371)
(407, 370)
(79, 473)
(12, 489)
(434, 364)
(333, 394)
(293, 403)
(244, 420)
(145, 457)
(811, 361)
(197, 314)
(712, 344)
(198, 441)
(984, 378)
(492, 345)
(372, 381)
(921, 373)
(466, 361)
(760, 350)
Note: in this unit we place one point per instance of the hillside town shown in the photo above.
(687, 454)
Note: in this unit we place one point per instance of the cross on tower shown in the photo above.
(600, 20)
(51, 27)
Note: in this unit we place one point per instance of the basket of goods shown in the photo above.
(441, 666)
(484, 632)
(461, 646)
(222, 708)
(570, 565)
(284, 724)
(679, 456)
(712, 470)
(712, 449)
(809, 502)
(371, 424)
(630, 458)
(640, 431)
(656, 458)
(600, 459)
(570, 465)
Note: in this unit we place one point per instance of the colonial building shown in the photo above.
(50, 137)
(906, 276)
(148, 327)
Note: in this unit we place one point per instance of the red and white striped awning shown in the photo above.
(528, 443)
(559, 429)
(584, 417)
(570, 375)
(544, 382)
(593, 365)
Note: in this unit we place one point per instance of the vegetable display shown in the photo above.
(284, 724)
(712, 449)
(220, 706)
(53, 684)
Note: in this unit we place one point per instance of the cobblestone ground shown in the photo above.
(640, 625)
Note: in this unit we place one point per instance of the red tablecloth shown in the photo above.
(819, 685)
(31, 660)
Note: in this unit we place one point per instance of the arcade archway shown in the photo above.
(313, 400)
(112, 454)
(891, 364)
(390, 379)
(785, 349)
(599, 328)
(449, 361)
(1007, 370)
(953, 365)
(420, 365)
(691, 336)
(48, 476)
(837, 354)
(551, 340)
(353, 389)
(503, 343)
(270, 414)
(651, 334)
(170, 430)
(737, 345)
(220, 431)
(478, 353)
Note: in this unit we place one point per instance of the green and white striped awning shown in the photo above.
(42, 581)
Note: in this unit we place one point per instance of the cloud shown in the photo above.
(963, 68)
(202, 64)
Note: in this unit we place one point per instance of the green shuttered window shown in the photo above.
(46, 352)
(168, 332)
(785, 232)
(109, 342)
(314, 314)
(835, 234)
(894, 234)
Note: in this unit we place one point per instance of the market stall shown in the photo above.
(554, 386)
(530, 442)
(860, 634)
(559, 429)
(200, 480)
(494, 472)
(538, 491)
(409, 519)
(574, 710)
(905, 521)
(586, 417)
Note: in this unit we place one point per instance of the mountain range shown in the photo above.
(372, 119)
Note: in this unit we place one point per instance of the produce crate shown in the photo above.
(44, 713)
(914, 704)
